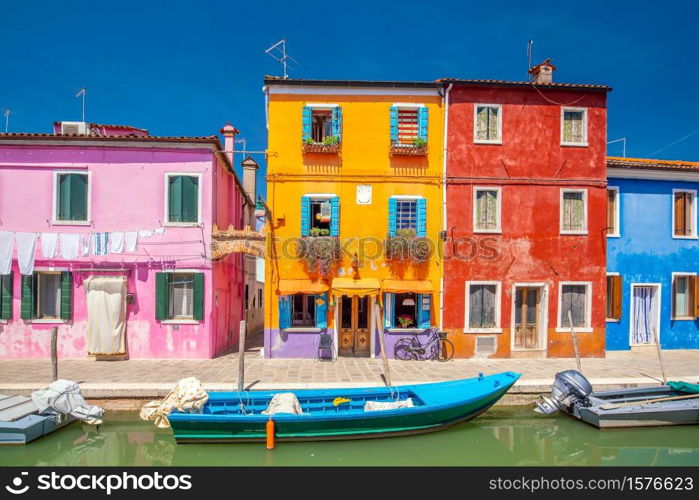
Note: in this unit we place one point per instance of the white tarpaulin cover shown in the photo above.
(283, 402)
(388, 405)
(63, 397)
(187, 396)
(106, 314)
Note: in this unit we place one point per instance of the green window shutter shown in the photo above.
(27, 309)
(175, 198)
(6, 296)
(66, 295)
(64, 185)
(198, 312)
(78, 197)
(190, 198)
(162, 292)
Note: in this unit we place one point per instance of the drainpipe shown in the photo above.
(445, 103)
(265, 91)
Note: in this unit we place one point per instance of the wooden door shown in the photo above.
(527, 318)
(354, 326)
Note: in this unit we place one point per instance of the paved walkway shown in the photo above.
(152, 378)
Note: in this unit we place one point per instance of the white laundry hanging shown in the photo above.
(117, 241)
(6, 241)
(99, 243)
(85, 244)
(131, 241)
(26, 252)
(145, 233)
(69, 245)
(160, 231)
(49, 245)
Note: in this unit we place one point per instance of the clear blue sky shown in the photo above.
(185, 68)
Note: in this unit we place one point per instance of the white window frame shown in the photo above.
(56, 199)
(498, 228)
(475, 124)
(183, 321)
(48, 270)
(498, 309)
(166, 197)
(692, 236)
(607, 319)
(588, 308)
(560, 210)
(617, 210)
(584, 112)
(659, 289)
(673, 298)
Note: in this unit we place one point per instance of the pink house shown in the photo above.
(121, 224)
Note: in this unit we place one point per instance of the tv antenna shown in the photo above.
(82, 93)
(529, 57)
(623, 141)
(7, 119)
(278, 53)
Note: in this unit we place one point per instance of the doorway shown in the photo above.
(645, 313)
(527, 318)
(354, 326)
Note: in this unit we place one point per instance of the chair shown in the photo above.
(325, 346)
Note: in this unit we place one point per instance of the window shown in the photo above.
(683, 296)
(574, 297)
(247, 297)
(574, 127)
(612, 211)
(613, 297)
(487, 123)
(322, 124)
(183, 198)
(47, 295)
(6, 295)
(320, 215)
(684, 213)
(72, 194)
(482, 307)
(303, 310)
(408, 124)
(407, 213)
(179, 296)
(574, 211)
(486, 213)
(259, 298)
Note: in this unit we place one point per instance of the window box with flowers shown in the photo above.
(408, 125)
(322, 128)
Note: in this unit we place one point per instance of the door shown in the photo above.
(354, 326)
(106, 315)
(645, 311)
(527, 317)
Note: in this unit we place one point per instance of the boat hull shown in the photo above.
(440, 405)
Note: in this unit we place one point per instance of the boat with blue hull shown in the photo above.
(342, 413)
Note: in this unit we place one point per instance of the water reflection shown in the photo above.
(503, 436)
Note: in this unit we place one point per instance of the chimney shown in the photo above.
(250, 167)
(229, 132)
(543, 72)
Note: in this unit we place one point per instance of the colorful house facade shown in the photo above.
(106, 235)
(354, 198)
(525, 206)
(652, 254)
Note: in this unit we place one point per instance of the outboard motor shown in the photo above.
(570, 389)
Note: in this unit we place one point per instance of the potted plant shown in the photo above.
(405, 320)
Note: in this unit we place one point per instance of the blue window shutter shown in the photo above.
(307, 120)
(422, 121)
(424, 304)
(322, 311)
(388, 310)
(335, 216)
(392, 210)
(337, 122)
(394, 124)
(305, 216)
(284, 312)
(421, 217)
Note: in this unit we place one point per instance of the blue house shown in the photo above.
(652, 254)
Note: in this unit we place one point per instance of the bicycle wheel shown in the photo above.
(404, 350)
(446, 351)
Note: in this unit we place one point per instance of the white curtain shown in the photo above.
(106, 314)
(645, 314)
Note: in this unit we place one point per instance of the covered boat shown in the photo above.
(674, 404)
(341, 413)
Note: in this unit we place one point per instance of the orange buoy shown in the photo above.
(270, 434)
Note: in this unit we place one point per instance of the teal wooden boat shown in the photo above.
(238, 417)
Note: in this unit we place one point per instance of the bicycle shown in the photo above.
(437, 347)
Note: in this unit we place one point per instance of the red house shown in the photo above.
(525, 217)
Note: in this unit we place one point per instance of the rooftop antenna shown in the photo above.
(82, 93)
(7, 119)
(623, 141)
(244, 142)
(278, 53)
(529, 58)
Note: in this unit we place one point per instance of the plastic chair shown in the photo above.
(325, 345)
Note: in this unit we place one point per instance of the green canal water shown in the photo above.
(502, 436)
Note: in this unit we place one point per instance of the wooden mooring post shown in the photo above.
(54, 353)
(660, 355)
(575, 341)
